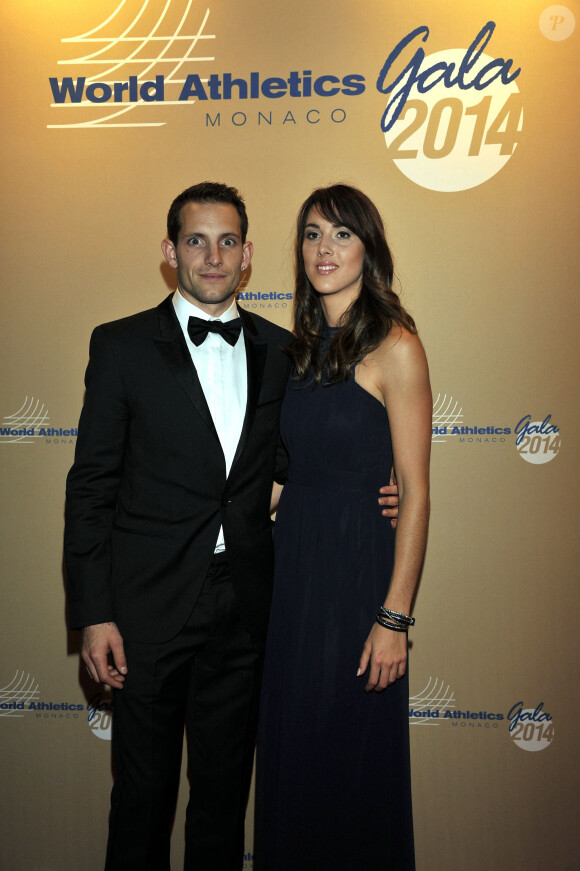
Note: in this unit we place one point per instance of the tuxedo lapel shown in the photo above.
(255, 362)
(171, 345)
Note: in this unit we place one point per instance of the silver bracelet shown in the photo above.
(389, 624)
(397, 616)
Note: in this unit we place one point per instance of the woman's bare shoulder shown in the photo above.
(397, 364)
(400, 348)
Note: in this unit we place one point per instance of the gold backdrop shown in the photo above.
(110, 108)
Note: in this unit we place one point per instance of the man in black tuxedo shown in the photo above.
(168, 539)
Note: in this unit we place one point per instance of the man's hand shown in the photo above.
(390, 501)
(104, 655)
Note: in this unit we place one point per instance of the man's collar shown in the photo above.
(185, 309)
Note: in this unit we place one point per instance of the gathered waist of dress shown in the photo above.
(360, 481)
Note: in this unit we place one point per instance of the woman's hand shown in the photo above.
(386, 651)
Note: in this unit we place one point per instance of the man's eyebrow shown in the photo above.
(189, 233)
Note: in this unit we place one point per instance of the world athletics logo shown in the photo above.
(435, 704)
(22, 696)
(18, 695)
(138, 43)
(30, 423)
(536, 441)
(23, 427)
(531, 729)
(147, 54)
(450, 119)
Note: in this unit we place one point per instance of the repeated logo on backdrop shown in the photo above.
(454, 118)
(435, 705)
(17, 695)
(135, 42)
(31, 423)
(269, 299)
(451, 120)
(536, 441)
(22, 697)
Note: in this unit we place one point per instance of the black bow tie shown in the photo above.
(198, 330)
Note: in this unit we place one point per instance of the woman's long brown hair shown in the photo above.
(371, 316)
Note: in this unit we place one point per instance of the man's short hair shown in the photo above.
(205, 192)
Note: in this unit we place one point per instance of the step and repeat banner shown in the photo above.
(461, 121)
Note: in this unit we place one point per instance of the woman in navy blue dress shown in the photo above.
(333, 788)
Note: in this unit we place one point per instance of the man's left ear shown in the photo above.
(248, 253)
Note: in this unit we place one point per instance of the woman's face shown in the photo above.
(333, 258)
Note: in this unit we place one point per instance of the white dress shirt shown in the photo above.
(221, 369)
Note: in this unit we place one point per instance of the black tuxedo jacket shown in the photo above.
(148, 490)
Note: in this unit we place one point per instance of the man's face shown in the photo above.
(209, 255)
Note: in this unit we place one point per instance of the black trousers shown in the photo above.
(208, 678)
